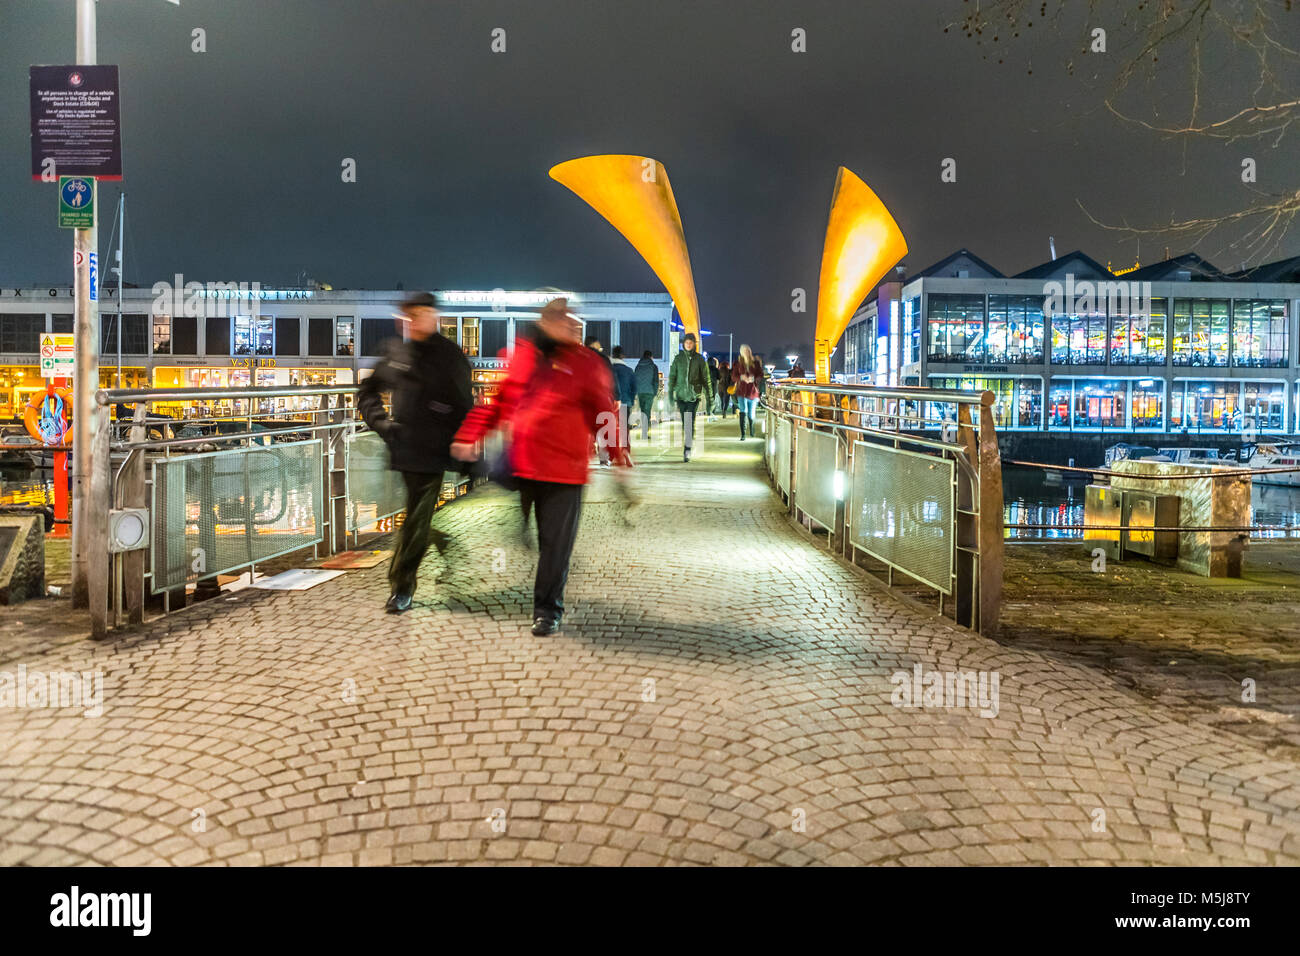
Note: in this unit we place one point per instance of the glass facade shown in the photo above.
(345, 335)
(1106, 404)
(1018, 402)
(1259, 333)
(21, 332)
(912, 330)
(636, 337)
(1138, 339)
(1200, 332)
(1263, 406)
(243, 335)
(956, 327)
(1227, 405)
(1079, 339)
(1147, 404)
(1015, 330)
(162, 335)
(1213, 405)
(1134, 341)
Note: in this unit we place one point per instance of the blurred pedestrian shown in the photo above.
(557, 397)
(747, 376)
(593, 342)
(428, 378)
(647, 387)
(725, 388)
(689, 384)
(625, 392)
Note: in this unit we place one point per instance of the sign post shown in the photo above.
(76, 133)
(76, 202)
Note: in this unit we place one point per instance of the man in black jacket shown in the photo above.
(428, 377)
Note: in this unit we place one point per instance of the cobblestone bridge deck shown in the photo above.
(721, 693)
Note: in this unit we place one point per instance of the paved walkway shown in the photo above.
(721, 693)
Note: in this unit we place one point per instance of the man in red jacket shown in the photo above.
(556, 398)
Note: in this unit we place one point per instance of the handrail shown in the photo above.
(975, 533)
(128, 396)
(909, 393)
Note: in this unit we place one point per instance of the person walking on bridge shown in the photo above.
(747, 376)
(689, 384)
(647, 388)
(428, 378)
(557, 398)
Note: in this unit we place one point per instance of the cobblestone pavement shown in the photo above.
(721, 693)
(1196, 645)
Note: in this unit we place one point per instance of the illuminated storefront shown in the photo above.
(1018, 402)
(222, 337)
(1128, 344)
(1227, 405)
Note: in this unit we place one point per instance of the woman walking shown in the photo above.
(747, 376)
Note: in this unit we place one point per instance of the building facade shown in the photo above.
(1173, 348)
(220, 336)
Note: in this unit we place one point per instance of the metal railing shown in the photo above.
(225, 492)
(849, 459)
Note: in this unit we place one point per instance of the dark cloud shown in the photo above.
(233, 156)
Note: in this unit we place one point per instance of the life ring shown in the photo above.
(48, 416)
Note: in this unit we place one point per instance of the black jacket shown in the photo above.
(430, 385)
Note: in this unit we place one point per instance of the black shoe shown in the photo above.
(686, 455)
(398, 603)
(545, 625)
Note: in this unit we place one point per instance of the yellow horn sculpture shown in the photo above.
(633, 194)
(862, 243)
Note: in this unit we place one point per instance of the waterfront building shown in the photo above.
(1176, 347)
(220, 335)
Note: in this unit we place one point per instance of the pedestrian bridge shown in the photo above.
(728, 688)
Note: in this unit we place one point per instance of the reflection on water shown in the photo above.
(26, 487)
(1031, 499)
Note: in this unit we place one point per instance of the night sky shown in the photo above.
(232, 157)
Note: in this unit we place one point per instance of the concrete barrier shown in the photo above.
(1212, 499)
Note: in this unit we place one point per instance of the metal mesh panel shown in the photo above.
(375, 491)
(901, 511)
(221, 511)
(781, 457)
(815, 460)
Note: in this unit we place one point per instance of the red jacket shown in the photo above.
(747, 389)
(552, 408)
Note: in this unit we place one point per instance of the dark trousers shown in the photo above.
(557, 508)
(422, 491)
(688, 419)
(645, 401)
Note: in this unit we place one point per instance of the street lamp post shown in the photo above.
(88, 500)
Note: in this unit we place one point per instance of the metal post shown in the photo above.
(134, 495)
(98, 564)
(121, 276)
(89, 485)
(991, 519)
